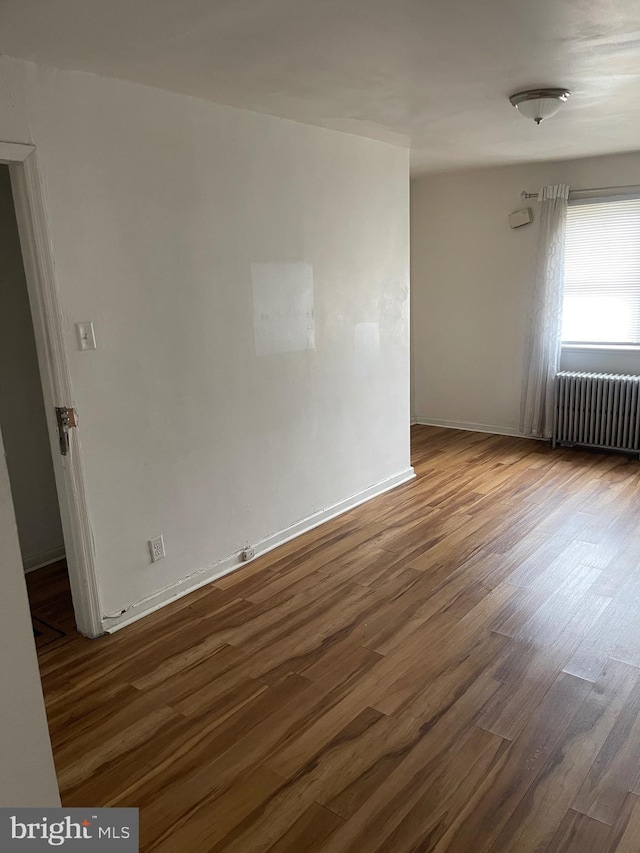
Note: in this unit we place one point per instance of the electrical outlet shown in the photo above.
(248, 554)
(156, 546)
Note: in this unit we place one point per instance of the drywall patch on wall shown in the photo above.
(283, 307)
(366, 337)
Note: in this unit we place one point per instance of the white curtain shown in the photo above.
(542, 350)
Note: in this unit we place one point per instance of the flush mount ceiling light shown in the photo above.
(539, 104)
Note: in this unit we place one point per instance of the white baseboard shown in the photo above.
(211, 573)
(471, 427)
(44, 558)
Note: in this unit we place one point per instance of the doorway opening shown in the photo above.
(27, 444)
(57, 564)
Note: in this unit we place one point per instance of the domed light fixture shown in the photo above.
(539, 104)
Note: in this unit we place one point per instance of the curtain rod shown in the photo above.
(626, 190)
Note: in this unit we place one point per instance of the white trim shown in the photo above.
(492, 429)
(200, 578)
(42, 559)
(413, 420)
(56, 380)
(600, 347)
(15, 152)
(597, 195)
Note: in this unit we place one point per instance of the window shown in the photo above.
(602, 273)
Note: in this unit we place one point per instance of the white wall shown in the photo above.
(472, 280)
(22, 417)
(27, 774)
(159, 205)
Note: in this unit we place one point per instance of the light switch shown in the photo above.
(86, 336)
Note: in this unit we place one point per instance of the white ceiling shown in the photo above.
(435, 74)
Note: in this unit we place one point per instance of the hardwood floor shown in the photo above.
(51, 606)
(454, 666)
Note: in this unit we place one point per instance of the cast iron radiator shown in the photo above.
(598, 410)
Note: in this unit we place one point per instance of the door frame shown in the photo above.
(55, 376)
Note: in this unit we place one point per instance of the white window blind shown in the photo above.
(602, 273)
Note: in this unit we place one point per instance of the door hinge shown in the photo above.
(65, 419)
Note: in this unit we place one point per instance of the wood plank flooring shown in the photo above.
(51, 607)
(454, 666)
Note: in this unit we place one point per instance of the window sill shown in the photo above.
(600, 348)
